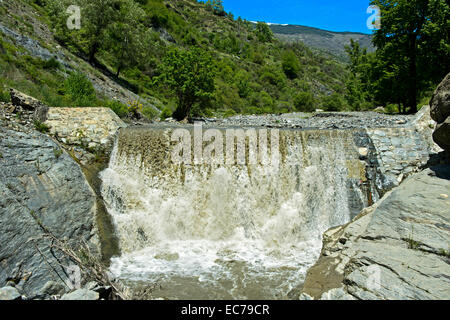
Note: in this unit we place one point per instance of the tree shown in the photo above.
(263, 32)
(290, 64)
(216, 6)
(96, 17)
(127, 39)
(190, 74)
(413, 48)
(304, 101)
(359, 85)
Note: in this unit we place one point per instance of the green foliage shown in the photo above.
(41, 127)
(273, 75)
(304, 101)
(80, 90)
(290, 63)
(190, 75)
(263, 32)
(51, 64)
(413, 50)
(132, 39)
(333, 102)
(57, 152)
(127, 41)
(4, 94)
(216, 6)
(165, 113)
(118, 107)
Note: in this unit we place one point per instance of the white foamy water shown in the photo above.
(224, 231)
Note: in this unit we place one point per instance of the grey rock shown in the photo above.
(337, 294)
(397, 249)
(52, 288)
(39, 190)
(442, 135)
(28, 103)
(440, 102)
(81, 294)
(9, 293)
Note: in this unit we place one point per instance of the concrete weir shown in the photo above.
(248, 230)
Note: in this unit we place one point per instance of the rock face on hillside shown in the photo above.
(41, 187)
(440, 112)
(397, 249)
(30, 104)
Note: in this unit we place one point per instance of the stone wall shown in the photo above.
(394, 153)
(92, 127)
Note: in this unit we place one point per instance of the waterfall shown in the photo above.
(227, 231)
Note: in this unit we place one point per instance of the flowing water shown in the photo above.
(227, 231)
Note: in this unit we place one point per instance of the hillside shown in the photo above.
(327, 41)
(253, 72)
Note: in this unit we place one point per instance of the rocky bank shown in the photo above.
(42, 190)
(396, 249)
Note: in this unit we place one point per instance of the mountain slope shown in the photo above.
(327, 41)
(252, 75)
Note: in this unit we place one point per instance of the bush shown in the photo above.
(166, 113)
(333, 102)
(4, 94)
(290, 64)
(304, 101)
(41, 127)
(51, 64)
(80, 90)
(119, 108)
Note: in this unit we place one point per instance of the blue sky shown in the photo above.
(334, 15)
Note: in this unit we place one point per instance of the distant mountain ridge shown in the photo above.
(323, 40)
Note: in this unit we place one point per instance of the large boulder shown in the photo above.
(28, 103)
(397, 249)
(440, 102)
(440, 112)
(442, 134)
(42, 191)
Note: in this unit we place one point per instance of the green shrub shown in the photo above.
(149, 112)
(304, 101)
(333, 102)
(119, 108)
(166, 113)
(51, 64)
(4, 96)
(290, 64)
(80, 90)
(41, 127)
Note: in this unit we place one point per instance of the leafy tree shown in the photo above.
(96, 17)
(304, 101)
(216, 6)
(290, 64)
(413, 48)
(360, 85)
(263, 32)
(127, 38)
(333, 102)
(190, 75)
